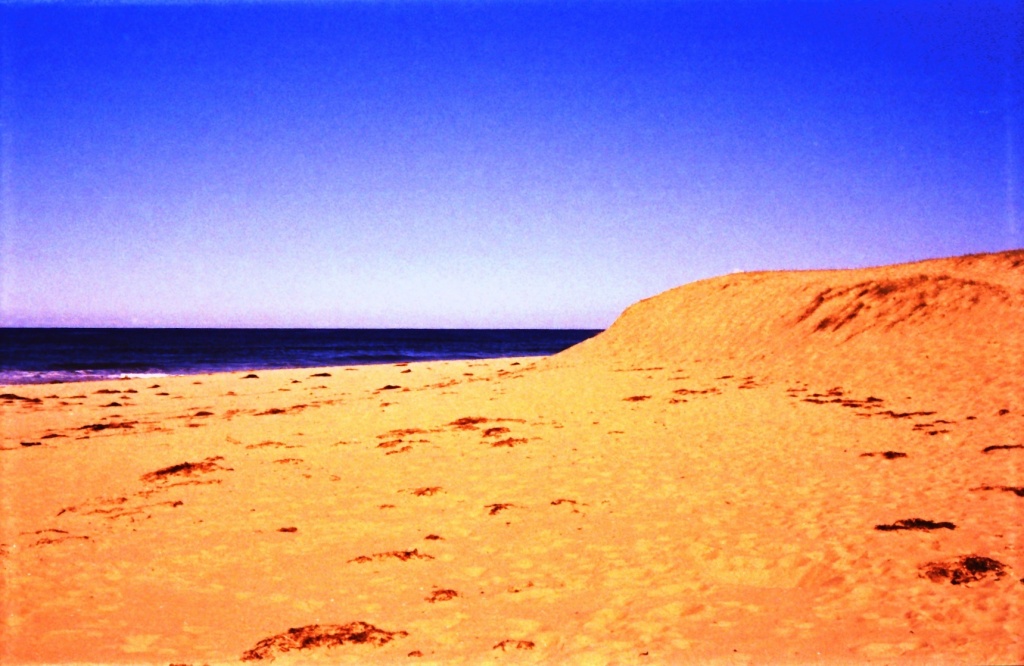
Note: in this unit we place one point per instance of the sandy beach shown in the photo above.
(792, 467)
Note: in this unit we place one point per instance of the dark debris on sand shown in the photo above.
(321, 635)
(14, 396)
(1016, 490)
(442, 595)
(514, 644)
(1001, 447)
(96, 427)
(966, 569)
(915, 524)
(186, 469)
(888, 455)
(401, 555)
(468, 422)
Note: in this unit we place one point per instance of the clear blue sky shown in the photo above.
(487, 164)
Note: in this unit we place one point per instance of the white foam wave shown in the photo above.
(11, 377)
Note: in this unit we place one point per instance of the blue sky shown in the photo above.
(487, 164)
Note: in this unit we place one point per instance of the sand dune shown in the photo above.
(910, 323)
(770, 467)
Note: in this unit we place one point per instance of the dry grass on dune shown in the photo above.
(770, 467)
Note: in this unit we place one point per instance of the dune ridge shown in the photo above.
(876, 325)
(791, 467)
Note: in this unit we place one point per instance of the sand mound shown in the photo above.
(850, 325)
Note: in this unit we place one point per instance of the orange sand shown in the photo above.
(702, 482)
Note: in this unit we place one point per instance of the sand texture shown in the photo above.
(759, 468)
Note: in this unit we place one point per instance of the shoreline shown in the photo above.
(142, 376)
(91, 355)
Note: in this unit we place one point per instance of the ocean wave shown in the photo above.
(10, 377)
(52, 376)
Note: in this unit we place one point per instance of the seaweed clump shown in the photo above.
(966, 569)
(317, 635)
(186, 469)
(915, 524)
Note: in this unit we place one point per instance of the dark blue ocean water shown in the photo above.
(40, 355)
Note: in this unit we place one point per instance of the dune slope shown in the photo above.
(795, 467)
(909, 324)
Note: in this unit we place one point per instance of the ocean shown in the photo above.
(48, 355)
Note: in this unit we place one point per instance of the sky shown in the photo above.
(491, 164)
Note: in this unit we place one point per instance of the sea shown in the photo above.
(53, 355)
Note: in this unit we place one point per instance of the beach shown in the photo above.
(790, 467)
